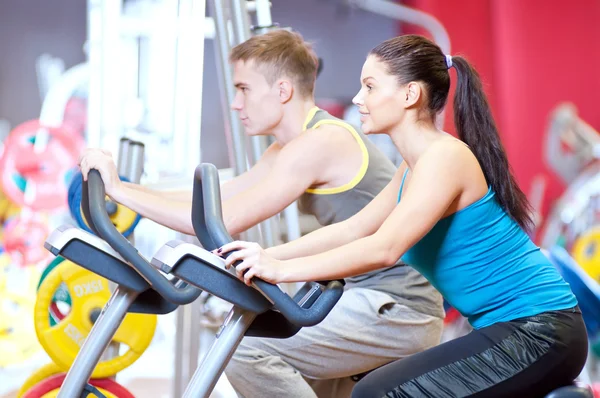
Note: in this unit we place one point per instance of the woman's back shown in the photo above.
(486, 266)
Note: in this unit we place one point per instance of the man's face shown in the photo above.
(256, 101)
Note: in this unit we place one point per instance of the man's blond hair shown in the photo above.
(278, 54)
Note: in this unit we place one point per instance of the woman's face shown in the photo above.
(380, 100)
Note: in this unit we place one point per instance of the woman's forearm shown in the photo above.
(318, 241)
(358, 257)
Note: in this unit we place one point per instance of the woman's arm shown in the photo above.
(363, 223)
(435, 184)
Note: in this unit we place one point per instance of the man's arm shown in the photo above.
(228, 188)
(174, 209)
(296, 168)
(180, 195)
(253, 176)
(174, 214)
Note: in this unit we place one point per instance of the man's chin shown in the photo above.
(253, 133)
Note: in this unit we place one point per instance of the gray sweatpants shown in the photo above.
(365, 330)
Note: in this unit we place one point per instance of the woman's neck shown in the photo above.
(413, 139)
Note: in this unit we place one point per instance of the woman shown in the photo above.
(455, 213)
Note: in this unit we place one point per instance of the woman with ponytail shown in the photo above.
(455, 213)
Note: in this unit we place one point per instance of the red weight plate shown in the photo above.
(46, 173)
(24, 239)
(54, 382)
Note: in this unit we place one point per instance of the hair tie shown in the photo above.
(449, 61)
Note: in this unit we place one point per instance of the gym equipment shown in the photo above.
(576, 211)
(89, 294)
(61, 295)
(261, 310)
(49, 388)
(24, 238)
(38, 376)
(571, 144)
(572, 392)
(123, 218)
(573, 152)
(586, 252)
(586, 289)
(46, 173)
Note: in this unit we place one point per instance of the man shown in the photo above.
(333, 171)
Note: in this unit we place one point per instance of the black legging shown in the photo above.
(527, 357)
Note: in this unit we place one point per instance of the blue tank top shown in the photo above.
(486, 266)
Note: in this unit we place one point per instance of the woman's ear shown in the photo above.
(413, 94)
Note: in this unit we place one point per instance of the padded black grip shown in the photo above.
(104, 228)
(207, 220)
(296, 314)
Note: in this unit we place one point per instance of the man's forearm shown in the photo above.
(174, 214)
(183, 195)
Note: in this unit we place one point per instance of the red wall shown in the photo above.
(532, 55)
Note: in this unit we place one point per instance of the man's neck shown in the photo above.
(293, 120)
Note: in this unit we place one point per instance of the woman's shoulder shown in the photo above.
(450, 152)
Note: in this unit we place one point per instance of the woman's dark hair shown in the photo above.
(416, 58)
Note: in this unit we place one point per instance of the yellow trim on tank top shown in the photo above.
(310, 116)
(363, 168)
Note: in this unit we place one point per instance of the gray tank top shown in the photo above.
(332, 205)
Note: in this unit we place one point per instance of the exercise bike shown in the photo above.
(176, 276)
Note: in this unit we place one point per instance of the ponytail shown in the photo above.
(476, 127)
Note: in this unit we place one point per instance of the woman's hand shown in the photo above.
(255, 262)
(102, 161)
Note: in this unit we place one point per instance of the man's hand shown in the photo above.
(101, 160)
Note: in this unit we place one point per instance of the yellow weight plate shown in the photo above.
(122, 219)
(89, 293)
(42, 373)
(586, 252)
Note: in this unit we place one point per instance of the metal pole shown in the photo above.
(123, 157)
(240, 21)
(103, 331)
(226, 82)
(263, 13)
(228, 338)
(187, 345)
(135, 162)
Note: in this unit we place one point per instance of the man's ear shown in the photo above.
(286, 90)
